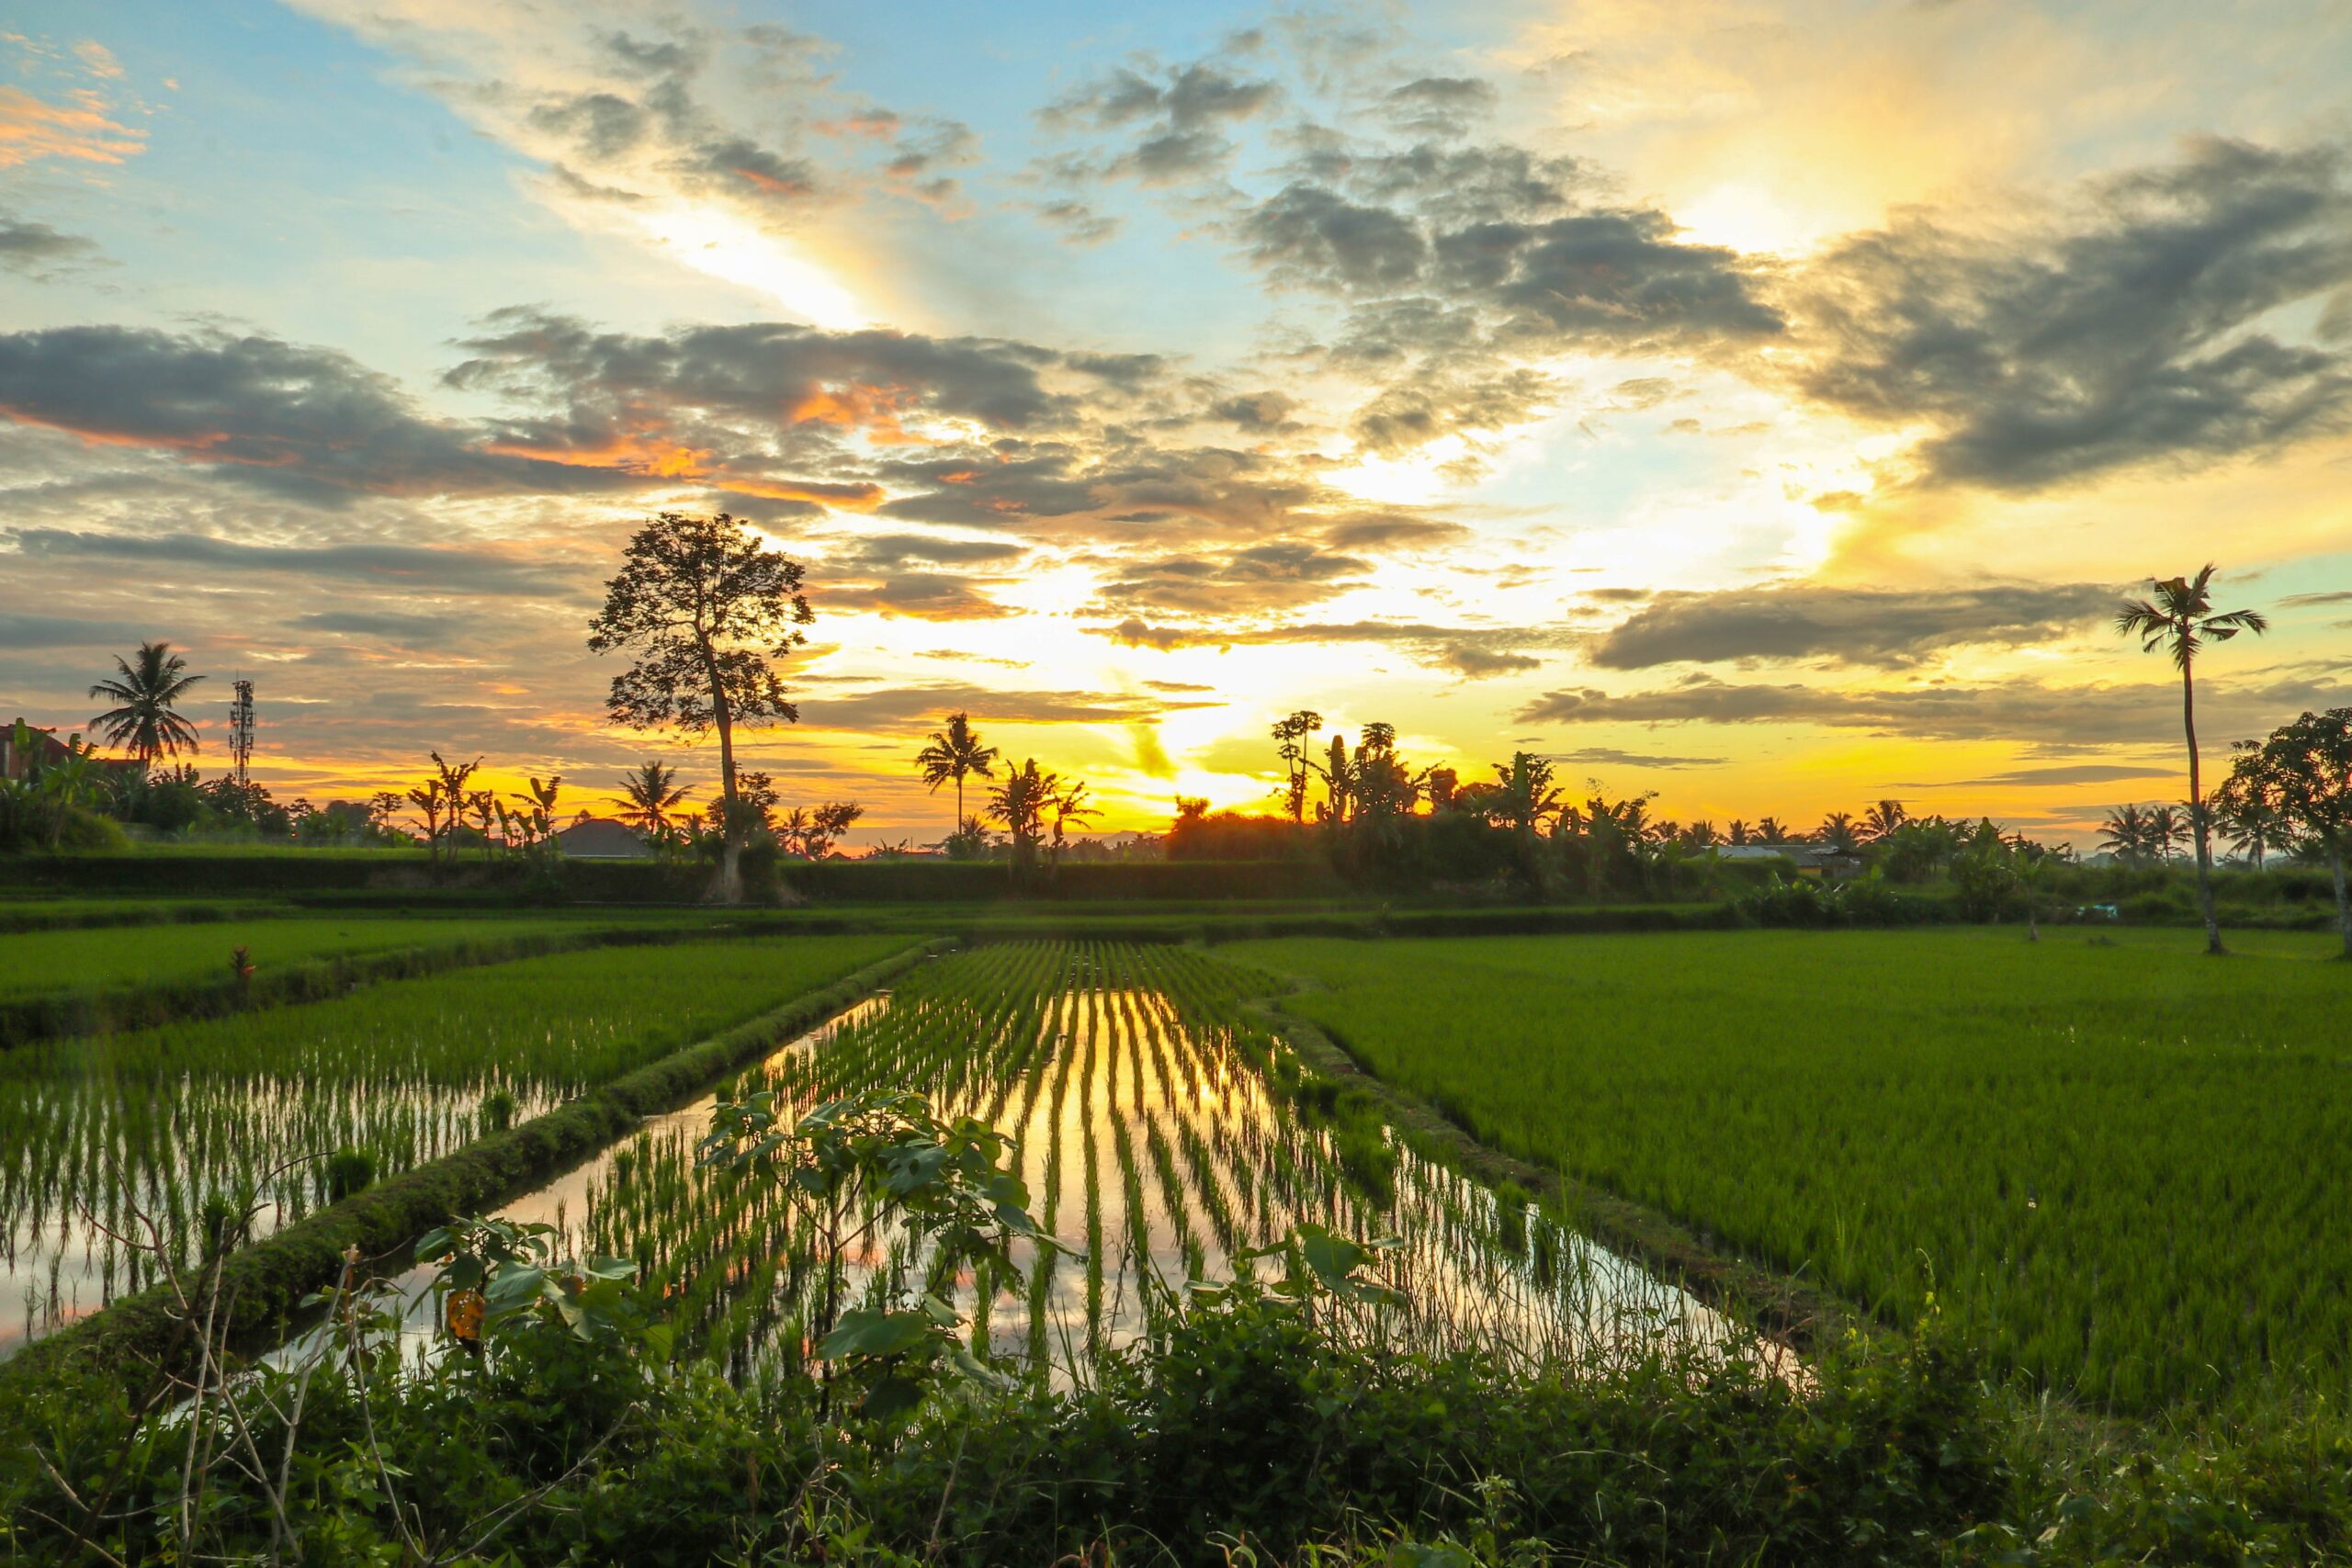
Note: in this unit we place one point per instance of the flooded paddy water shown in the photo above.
(1155, 1124)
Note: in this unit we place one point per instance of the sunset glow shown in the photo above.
(1757, 402)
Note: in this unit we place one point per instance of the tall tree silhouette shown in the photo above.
(1836, 832)
(2307, 766)
(651, 791)
(1290, 745)
(955, 754)
(707, 609)
(1021, 803)
(2181, 619)
(142, 722)
(1880, 820)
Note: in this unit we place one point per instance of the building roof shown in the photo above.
(600, 838)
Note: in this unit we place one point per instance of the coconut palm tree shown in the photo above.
(143, 722)
(2124, 833)
(1836, 832)
(2167, 830)
(2181, 619)
(651, 792)
(1880, 820)
(953, 755)
(1771, 831)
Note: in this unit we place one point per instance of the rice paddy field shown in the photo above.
(40, 963)
(1162, 1134)
(2115, 1163)
(162, 1119)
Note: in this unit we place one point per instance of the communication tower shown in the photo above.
(241, 728)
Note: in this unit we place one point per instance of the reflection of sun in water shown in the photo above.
(724, 246)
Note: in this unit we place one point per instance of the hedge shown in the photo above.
(261, 1284)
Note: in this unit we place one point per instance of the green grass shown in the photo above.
(41, 963)
(160, 1118)
(2118, 1164)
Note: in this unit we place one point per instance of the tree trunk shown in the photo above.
(2197, 818)
(2343, 904)
(959, 815)
(728, 888)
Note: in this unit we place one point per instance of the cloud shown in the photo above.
(32, 129)
(2056, 718)
(1848, 625)
(36, 250)
(917, 706)
(391, 627)
(2135, 328)
(1477, 664)
(274, 414)
(1278, 575)
(1168, 122)
(23, 630)
(1439, 106)
(2062, 774)
(1612, 757)
(439, 569)
(2335, 596)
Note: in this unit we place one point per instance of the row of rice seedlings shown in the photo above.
(1129, 1082)
(2099, 1160)
(165, 1126)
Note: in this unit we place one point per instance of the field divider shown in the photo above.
(30, 1019)
(262, 1282)
(1786, 1309)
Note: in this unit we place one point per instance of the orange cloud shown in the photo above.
(854, 406)
(773, 185)
(31, 127)
(630, 453)
(860, 497)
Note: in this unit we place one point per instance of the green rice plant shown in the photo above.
(93, 1131)
(2107, 1163)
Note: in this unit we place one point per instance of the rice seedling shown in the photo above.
(1133, 1088)
(2112, 1165)
(159, 1121)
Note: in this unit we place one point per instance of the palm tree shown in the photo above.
(2124, 833)
(2167, 828)
(1771, 831)
(2180, 619)
(1021, 803)
(651, 792)
(1736, 830)
(1836, 832)
(1069, 805)
(1880, 820)
(143, 721)
(953, 755)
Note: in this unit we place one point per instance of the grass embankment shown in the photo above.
(802, 983)
(2107, 1160)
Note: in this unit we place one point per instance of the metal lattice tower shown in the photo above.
(241, 728)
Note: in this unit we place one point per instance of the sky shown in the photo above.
(1764, 404)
